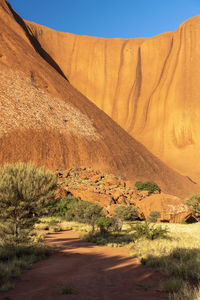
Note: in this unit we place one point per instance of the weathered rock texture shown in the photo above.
(150, 86)
(109, 191)
(44, 119)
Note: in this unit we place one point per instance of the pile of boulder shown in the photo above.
(108, 191)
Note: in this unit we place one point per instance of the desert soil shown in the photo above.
(94, 272)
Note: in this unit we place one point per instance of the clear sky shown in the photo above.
(109, 18)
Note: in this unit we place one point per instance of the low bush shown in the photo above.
(124, 213)
(66, 290)
(42, 226)
(61, 205)
(103, 223)
(84, 212)
(55, 228)
(149, 231)
(194, 202)
(149, 186)
(172, 285)
(112, 239)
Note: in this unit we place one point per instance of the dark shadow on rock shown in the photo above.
(35, 43)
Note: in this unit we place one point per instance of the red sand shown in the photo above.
(95, 272)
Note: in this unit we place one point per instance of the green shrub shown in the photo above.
(85, 212)
(149, 186)
(56, 228)
(62, 205)
(42, 226)
(110, 238)
(25, 192)
(52, 222)
(66, 290)
(194, 202)
(172, 285)
(153, 216)
(149, 231)
(126, 212)
(104, 224)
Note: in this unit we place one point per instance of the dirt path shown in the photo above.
(95, 272)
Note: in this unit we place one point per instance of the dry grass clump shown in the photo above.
(15, 258)
(178, 256)
(49, 222)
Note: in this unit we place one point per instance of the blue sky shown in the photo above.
(109, 18)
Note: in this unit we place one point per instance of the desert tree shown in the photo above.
(124, 213)
(84, 211)
(25, 192)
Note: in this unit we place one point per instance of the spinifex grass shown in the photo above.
(178, 257)
(15, 258)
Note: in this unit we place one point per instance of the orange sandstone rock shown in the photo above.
(149, 86)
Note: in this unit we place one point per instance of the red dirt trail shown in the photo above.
(95, 272)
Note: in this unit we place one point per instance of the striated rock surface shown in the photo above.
(44, 119)
(149, 86)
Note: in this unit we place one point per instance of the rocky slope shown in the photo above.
(109, 191)
(46, 120)
(150, 86)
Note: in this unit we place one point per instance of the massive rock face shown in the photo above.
(149, 86)
(46, 120)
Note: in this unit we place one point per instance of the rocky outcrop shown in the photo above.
(109, 191)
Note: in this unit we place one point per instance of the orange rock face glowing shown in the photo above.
(149, 86)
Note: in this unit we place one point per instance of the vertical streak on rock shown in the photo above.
(105, 75)
(136, 90)
(117, 91)
(71, 55)
(166, 118)
(161, 81)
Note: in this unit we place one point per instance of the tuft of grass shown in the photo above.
(113, 239)
(172, 285)
(15, 258)
(145, 286)
(56, 228)
(6, 286)
(150, 231)
(66, 290)
(185, 293)
(178, 257)
(42, 226)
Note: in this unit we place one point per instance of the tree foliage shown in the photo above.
(149, 186)
(84, 211)
(194, 202)
(126, 212)
(61, 206)
(25, 191)
(104, 223)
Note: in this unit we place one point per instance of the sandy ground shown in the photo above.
(94, 272)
